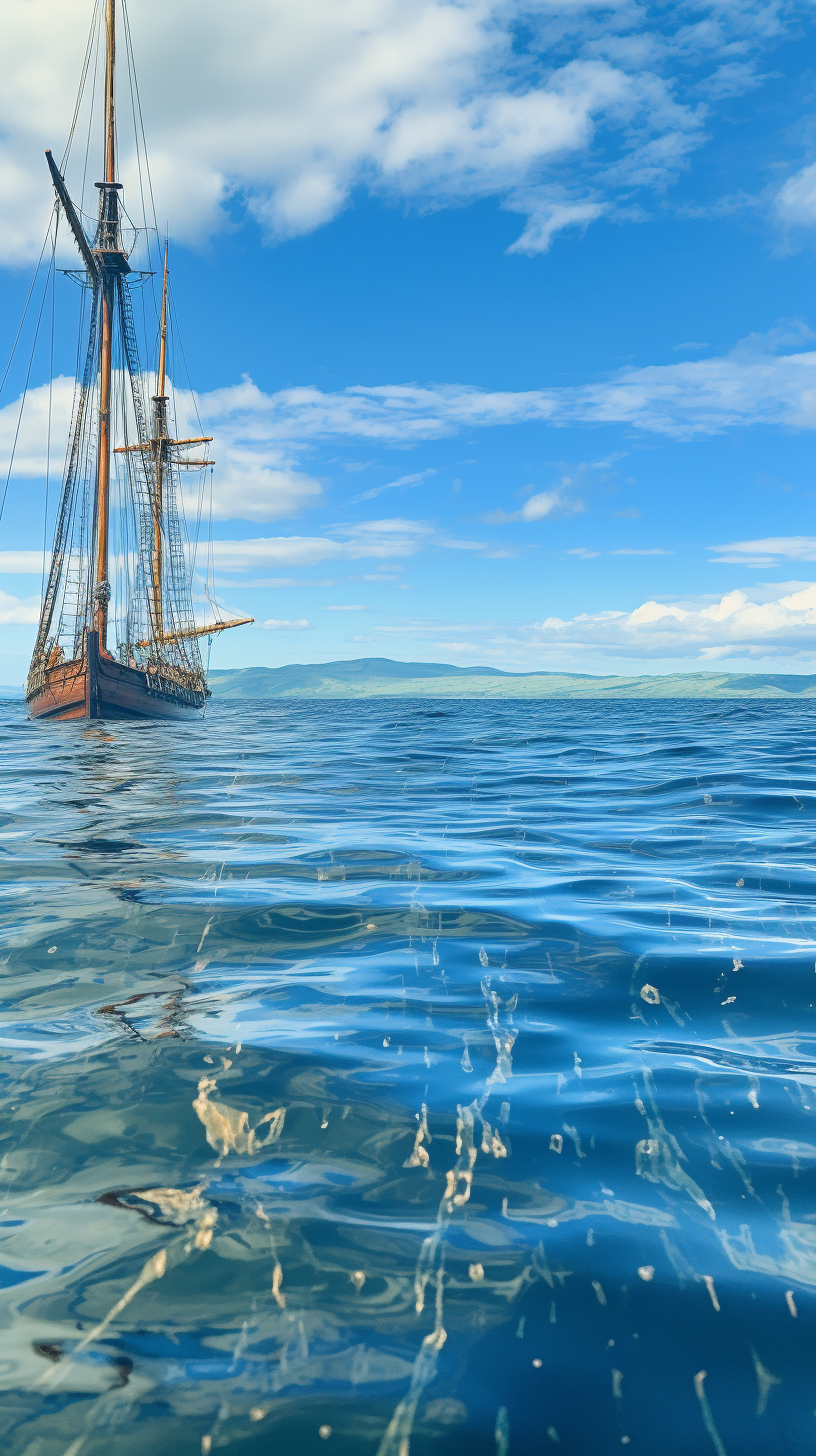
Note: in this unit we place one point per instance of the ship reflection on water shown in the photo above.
(386, 1079)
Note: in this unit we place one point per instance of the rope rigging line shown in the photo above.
(24, 395)
(28, 299)
(50, 405)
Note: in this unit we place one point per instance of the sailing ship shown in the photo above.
(117, 635)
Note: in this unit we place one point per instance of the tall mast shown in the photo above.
(160, 448)
(107, 241)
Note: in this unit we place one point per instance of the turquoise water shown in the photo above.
(394, 1077)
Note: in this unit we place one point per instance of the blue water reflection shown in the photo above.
(384, 1074)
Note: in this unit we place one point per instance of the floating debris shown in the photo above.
(277, 1280)
(708, 1419)
(572, 1132)
(205, 1229)
(357, 1278)
(153, 1269)
(650, 995)
(765, 1382)
(646, 1272)
(709, 1284)
(599, 1294)
(324, 1432)
(556, 1143)
(396, 1441)
(476, 1272)
(491, 1142)
(177, 1204)
(658, 1157)
(228, 1127)
(789, 1300)
(502, 1432)
(419, 1157)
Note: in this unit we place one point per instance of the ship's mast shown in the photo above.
(160, 448)
(107, 242)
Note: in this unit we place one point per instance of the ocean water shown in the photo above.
(394, 1077)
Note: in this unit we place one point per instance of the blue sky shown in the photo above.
(499, 315)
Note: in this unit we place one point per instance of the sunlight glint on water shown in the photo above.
(393, 1077)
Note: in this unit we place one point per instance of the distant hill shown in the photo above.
(374, 677)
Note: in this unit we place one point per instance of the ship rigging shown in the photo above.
(117, 636)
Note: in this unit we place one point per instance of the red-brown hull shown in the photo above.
(99, 687)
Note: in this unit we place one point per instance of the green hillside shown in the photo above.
(374, 677)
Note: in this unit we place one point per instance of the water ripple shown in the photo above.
(429, 1074)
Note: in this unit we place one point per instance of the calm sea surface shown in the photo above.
(392, 1076)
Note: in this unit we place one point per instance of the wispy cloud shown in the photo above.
(404, 480)
(259, 437)
(755, 384)
(767, 551)
(355, 608)
(22, 563)
(796, 199)
(546, 503)
(385, 538)
(640, 551)
(773, 624)
(275, 624)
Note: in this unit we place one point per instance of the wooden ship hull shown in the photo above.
(97, 686)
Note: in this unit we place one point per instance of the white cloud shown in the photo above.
(411, 480)
(559, 110)
(547, 220)
(22, 563)
(775, 624)
(384, 539)
(257, 436)
(796, 198)
(275, 624)
(538, 507)
(14, 611)
(734, 626)
(255, 486)
(27, 434)
(767, 551)
(753, 385)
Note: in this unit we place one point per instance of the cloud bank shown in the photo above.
(566, 113)
(733, 627)
(778, 626)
